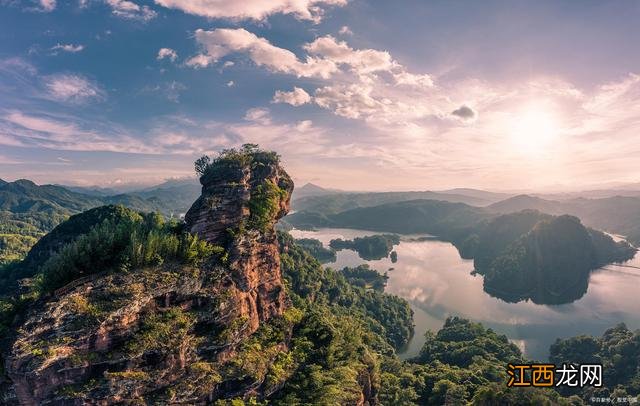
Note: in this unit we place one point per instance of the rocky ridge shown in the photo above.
(169, 333)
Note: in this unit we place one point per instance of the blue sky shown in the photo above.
(354, 94)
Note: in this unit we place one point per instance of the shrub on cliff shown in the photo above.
(116, 245)
(247, 155)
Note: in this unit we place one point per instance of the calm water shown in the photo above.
(437, 282)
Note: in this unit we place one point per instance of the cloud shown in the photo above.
(71, 48)
(167, 53)
(351, 101)
(47, 5)
(231, 83)
(361, 61)
(312, 10)
(464, 112)
(344, 30)
(173, 90)
(199, 61)
(72, 88)
(224, 41)
(130, 10)
(296, 97)
(258, 115)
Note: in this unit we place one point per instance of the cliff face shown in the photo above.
(168, 333)
(223, 216)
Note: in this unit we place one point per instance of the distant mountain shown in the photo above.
(27, 210)
(24, 196)
(92, 190)
(524, 202)
(339, 202)
(618, 214)
(175, 195)
(309, 189)
(489, 197)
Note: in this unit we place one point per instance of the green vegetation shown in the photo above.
(14, 247)
(132, 241)
(387, 315)
(317, 250)
(264, 205)
(530, 255)
(372, 247)
(228, 161)
(29, 211)
(365, 277)
(109, 238)
(462, 363)
(618, 350)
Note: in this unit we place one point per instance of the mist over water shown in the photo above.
(438, 283)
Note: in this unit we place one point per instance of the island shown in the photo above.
(369, 248)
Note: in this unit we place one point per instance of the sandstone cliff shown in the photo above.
(170, 333)
(222, 215)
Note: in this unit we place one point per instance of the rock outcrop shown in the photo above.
(222, 216)
(169, 333)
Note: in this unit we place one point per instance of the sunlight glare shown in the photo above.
(533, 130)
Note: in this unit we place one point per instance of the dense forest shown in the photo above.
(370, 247)
(317, 249)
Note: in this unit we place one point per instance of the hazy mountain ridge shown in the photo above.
(617, 215)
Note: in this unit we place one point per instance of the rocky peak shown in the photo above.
(243, 196)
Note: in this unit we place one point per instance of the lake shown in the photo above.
(437, 283)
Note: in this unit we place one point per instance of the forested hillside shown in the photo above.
(28, 211)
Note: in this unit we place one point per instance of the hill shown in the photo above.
(309, 189)
(338, 202)
(28, 211)
(617, 215)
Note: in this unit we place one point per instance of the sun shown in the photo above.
(533, 129)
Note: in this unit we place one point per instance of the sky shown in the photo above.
(354, 94)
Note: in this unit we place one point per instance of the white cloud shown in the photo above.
(47, 5)
(344, 30)
(72, 88)
(361, 61)
(63, 133)
(253, 9)
(130, 10)
(224, 41)
(231, 83)
(296, 97)
(167, 53)
(199, 61)
(258, 115)
(71, 48)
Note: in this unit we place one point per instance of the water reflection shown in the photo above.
(438, 283)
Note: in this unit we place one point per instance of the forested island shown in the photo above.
(371, 247)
